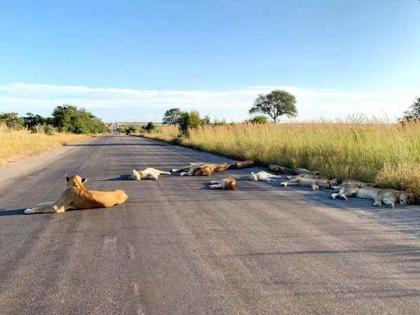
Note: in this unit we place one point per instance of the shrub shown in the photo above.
(187, 121)
(260, 119)
(149, 127)
(69, 118)
(130, 130)
(11, 120)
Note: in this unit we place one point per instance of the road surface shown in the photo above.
(178, 248)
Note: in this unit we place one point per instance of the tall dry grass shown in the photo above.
(387, 154)
(15, 144)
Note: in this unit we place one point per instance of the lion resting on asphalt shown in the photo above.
(241, 164)
(148, 173)
(388, 197)
(201, 169)
(226, 184)
(263, 176)
(77, 196)
(314, 181)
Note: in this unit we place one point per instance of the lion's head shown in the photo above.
(406, 198)
(75, 181)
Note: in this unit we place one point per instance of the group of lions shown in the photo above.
(77, 196)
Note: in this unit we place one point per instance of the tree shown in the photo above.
(187, 121)
(11, 120)
(69, 118)
(31, 121)
(259, 119)
(149, 127)
(171, 116)
(414, 113)
(275, 104)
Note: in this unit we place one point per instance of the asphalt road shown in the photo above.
(176, 247)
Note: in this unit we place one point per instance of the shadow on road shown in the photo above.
(6, 212)
(114, 144)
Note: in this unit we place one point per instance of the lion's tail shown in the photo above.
(121, 196)
(40, 208)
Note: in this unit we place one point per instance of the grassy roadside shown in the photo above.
(386, 154)
(17, 144)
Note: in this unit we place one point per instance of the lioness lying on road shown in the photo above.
(263, 176)
(148, 173)
(77, 196)
(388, 197)
(241, 164)
(278, 169)
(348, 188)
(206, 169)
(226, 184)
(314, 181)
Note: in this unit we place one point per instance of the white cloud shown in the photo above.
(138, 104)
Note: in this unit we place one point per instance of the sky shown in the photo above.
(132, 60)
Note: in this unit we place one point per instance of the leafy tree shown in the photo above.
(171, 116)
(149, 127)
(130, 130)
(187, 121)
(11, 120)
(260, 119)
(31, 121)
(69, 118)
(275, 104)
(414, 113)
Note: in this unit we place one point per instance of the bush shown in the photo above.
(32, 121)
(187, 121)
(130, 130)
(69, 118)
(149, 127)
(11, 120)
(260, 119)
(49, 130)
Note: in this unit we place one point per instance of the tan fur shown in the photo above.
(203, 169)
(241, 164)
(278, 169)
(348, 188)
(77, 196)
(314, 181)
(148, 173)
(388, 197)
(226, 184)
(301, 171)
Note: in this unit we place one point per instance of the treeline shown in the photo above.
(65, 118)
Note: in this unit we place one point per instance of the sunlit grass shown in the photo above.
(387, 154)
(15, 144)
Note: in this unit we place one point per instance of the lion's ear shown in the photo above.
(67, 178)
(84, 179)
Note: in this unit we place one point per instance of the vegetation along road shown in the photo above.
(176, 247)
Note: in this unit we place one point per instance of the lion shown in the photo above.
(77, 196)
(241, 164)
(314, 181)
(201, 169)
(148, 173)
(263, 176)
(348, 188)
(226, 184)
(388, 197)
(278, 169)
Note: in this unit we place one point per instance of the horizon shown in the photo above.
(133, 61)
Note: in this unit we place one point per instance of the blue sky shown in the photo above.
(131, 60)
